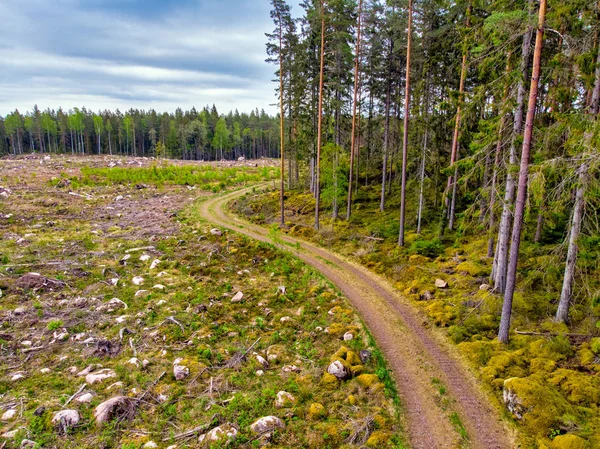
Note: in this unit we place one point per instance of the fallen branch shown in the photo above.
(123, 331)
(75, 395)
(377, 239)
(145, 393)
(87, 197)
(173, 320)
(143, 248)
(553, 334)
(36, 348)
(196, 430)
(239, 358)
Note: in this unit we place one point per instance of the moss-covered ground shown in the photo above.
(94, 230)
(555, 368)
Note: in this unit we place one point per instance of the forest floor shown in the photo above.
(443, 404)
(545, 383)
(128, 321)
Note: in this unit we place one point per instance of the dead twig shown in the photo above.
(196, 430)
(145, 393)
(173, 320)
(35, 348)
(75, 395)
(238, 358)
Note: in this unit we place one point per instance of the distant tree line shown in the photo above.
(197, 135)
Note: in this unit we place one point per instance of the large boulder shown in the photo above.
(120, 407)
(66, 419)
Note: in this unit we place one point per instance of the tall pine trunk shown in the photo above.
(386, 132)
(406, 121)
(320, 120)
(353, 135)
(511, 277)
(501, 256)
(281, 127)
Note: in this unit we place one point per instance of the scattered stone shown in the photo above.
(225, 432)
(216, 232)
(281, 290)
(144, 257)
(364, 355)
(20, 311)
(348, 336)
(284, 399)
(290, 369)
(85, 398)
(45, 370)
(61, 336)
(17, 376)
(28, 444)
(426, 296)
(485, 287)
(266, 424)
(150, 445)
(124, 260)
(120, 407)
(180, 371)
(134, 361)
(140, 293)
(100, 376)
(259, 373)
(12, 434)
(159, 287)
(440, 283)
(66, 419)
(275, 353)
(338, 370)
(285, 319)
(138, 280)
(237, 297)
(37, 282)
(154, 264)
(9, 414)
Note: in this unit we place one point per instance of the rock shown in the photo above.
(569, 441)
(100, 376)
(316, 411)
(290, 369)
(426, 296)
(20, 311)
(154, 264)
(85, 398)
(9, 414)
(144, 257)
(275, 353)
(158, 287)
(440, 283)
(138, 280)
(364, 355)
(237, 297)
(120, 407)
(225, 432)
(28, 444)
(66, 419)
(338, 370)
(45, 370)
(216, 232)
(150, 445)
(124, 260)
(17, 376)
(115, 304)
(348, 336)
(259, 373)
(140, 293)
(134, 361)
(180, 372)
(285, 319)
(281, 290)
(262, 361)
(266, 424)
(12, 434)
(485, 287)
(368, 380)
(284, 399)
(37, 282)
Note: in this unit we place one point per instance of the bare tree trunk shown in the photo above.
(501, 256)
(353, 136)
(503, 334)
(455, 136)
(109, 144)
(539, 226)
(281, 126)
(406, 121)
(320, 119)
(422, 176)
(386, 132)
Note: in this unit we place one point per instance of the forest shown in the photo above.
(189, 135)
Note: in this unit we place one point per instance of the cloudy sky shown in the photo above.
(161, 54)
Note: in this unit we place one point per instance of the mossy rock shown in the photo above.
(542, 365)
(336, 329)
(330, 381)
(580, 389)
(417, 259)
(352, 400)
(346, 355)
(368, 380)
(316, 411)
(379, 438)
(472, 269)
(569, 441)
(538, 405)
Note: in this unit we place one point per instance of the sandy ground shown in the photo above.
(415, 354)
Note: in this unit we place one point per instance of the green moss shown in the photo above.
(330, 381)
(378, 439)
(569, 441)
(316, 411)
(472, 268)
(367, 380)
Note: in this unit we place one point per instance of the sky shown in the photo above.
(160, 54)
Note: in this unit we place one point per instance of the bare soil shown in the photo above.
(416, 355)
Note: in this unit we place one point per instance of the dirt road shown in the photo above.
(414, 354)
